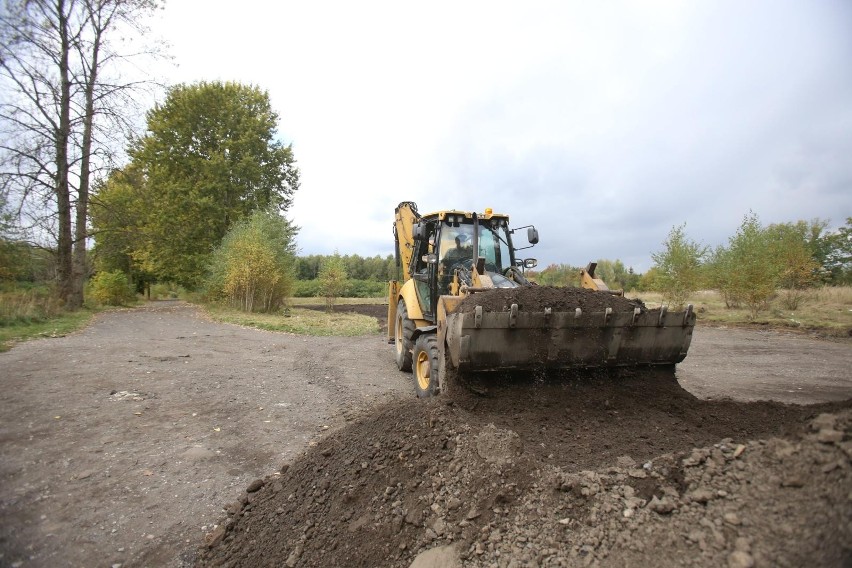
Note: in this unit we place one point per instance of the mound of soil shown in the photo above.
(558, 298)
(558, 471)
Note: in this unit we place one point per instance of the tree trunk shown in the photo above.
(82, 233)
(63, 191)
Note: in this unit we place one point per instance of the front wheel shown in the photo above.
(403, 331)
(427, 365)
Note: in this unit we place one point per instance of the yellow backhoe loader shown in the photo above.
(464, 304)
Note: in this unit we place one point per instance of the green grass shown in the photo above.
(828, 310)
(300, 321)
(57, 326)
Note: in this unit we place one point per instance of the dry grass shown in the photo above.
(826, 309)
(300, 321)
(27, 313)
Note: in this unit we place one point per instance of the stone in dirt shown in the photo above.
(438, 557)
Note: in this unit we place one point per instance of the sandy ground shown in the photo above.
(121, 444)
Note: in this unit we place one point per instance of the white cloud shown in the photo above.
(603, 123)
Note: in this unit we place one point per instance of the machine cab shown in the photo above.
(446, 246)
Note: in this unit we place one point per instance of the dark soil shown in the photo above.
(415, 475)
(559, 299)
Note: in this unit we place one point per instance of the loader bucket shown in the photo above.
(480, 340)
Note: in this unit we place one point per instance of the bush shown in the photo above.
(253, 268)
(111, 288)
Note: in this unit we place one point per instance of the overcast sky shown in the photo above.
(605, 124)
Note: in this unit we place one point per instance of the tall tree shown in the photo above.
(53, 59)
(679, 266)
(753, 270)
(210, 157)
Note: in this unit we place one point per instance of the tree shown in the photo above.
(210, 158)
(616, 275)
(254, 268)
(752, 270)
(332, 277)
(118, 212)
(558, 275)
(839, 254)
(62, 113)
(679, 266)
(794, 252)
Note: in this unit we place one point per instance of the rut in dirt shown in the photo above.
(414, 474)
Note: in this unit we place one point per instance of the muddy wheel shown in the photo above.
(403, 331)
(427, 364)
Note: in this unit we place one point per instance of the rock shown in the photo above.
(792, 480)
(255, 485)
(293, 559)
(453, 503)
(497, 445)
(625, 462)
(824, 421)
(829, 436)
(701, 495)
(742, 544)
(783, 448)
(732, 519)
(662, 506)
(215, 537)
(197, 453)
(740, 559)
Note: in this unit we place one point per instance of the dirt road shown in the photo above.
(120, 444)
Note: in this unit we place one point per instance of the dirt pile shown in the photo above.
(563, 471)
(558, 298)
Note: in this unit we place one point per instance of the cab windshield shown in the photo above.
(457, 245)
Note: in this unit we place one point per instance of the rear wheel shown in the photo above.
(427, 365)
(403, 331)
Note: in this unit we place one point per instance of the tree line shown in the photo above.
(757, 262)
(201, 198)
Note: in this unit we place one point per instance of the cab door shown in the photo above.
(424, 274)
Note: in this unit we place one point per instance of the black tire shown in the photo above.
(427, 361)
(403, 331)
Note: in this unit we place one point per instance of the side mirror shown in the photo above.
(531, 262)
(532, 235)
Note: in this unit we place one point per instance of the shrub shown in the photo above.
(253, 268)
(111, 288)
